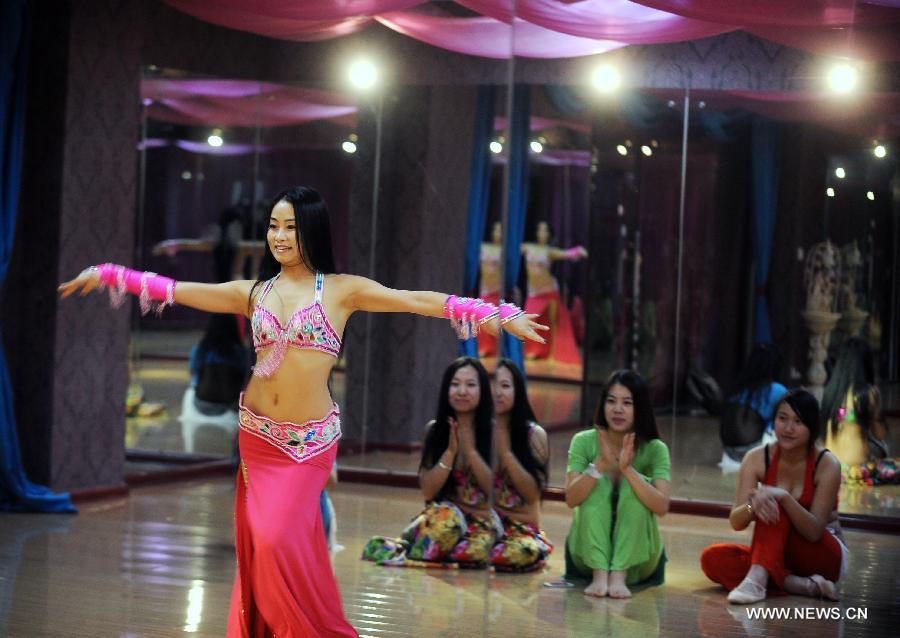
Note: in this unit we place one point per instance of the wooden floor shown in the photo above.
(160, 563)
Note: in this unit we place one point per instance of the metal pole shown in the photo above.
(678, 285)
(373, 227)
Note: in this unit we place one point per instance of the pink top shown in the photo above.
(307, 329)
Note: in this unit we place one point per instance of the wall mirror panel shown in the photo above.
(804, 183)
(213, 152)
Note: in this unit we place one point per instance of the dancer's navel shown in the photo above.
(274, 399)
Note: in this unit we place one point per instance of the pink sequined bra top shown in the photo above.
(307, 329)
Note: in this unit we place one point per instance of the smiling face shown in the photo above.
(618, 408)
(465, 391)
(282, 234)
(504, 391)
(790, 431)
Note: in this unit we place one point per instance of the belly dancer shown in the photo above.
(289, 425)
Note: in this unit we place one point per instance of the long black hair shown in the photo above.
(763, 368)
(313, 228)
(806, 407)
(438, 436)
(521, 416)
(854, 368)
(644, 420)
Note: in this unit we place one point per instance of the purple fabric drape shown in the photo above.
(619, 20)
(241, 103)
(780, 13)
(558, 29)
(254, 19)
(490, 38)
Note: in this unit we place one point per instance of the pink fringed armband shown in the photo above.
(576, 252)
(154, 292)
(467, 315)
(509, 312)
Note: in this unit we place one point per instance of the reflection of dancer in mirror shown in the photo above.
(620, 463)
(851, 407)
(289, 424)
(457, 525)
(521, 475)
(545, 301)
(789, 490)
(490, 285)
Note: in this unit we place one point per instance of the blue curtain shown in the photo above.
(520, 134)
(479, 194)
(765, 168)
(17, 493)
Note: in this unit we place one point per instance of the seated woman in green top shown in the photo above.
(618, 482)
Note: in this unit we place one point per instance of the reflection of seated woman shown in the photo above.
(219, 367)
(851, 407)
(522, 458)
(750, 410)
(544, 298)
(618, 482)
(790, 490)
(458, 524)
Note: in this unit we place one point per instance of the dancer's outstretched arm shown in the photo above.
(370, 296)
(229, 297)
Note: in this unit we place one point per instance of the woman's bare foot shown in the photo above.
(600, 585)
(617, 588)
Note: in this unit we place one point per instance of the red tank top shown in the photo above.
(809, 486)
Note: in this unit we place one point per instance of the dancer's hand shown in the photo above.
(764, 504)
(525, 327)
(453, 445)
(626, 456)
(86, 281)
(608, 458)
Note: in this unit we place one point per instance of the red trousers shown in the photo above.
(780, 549)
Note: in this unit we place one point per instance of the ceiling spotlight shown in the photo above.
(842, 78)
(363, 74)
(536, 146)
(606, 78)
(646, 150)
(829, 191)
(185, 175)
(215, 138)
(496, 147)
(879, 151)
(353, 137)
(349, 146)
(621, 150)
(840, 173)
(870, 196)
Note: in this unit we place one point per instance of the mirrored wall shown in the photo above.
(660, 229)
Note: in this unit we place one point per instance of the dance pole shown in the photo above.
(367, 357)
(684, 148)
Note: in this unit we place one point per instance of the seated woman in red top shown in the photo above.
(790, 490)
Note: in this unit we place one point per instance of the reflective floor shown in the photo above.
(160, 563)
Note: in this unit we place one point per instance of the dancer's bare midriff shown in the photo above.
(282, 398)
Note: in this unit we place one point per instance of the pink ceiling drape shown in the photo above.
(241, 103)
(560, 29)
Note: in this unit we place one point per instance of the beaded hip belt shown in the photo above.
(301, 441)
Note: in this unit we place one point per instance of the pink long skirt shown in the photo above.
(285, 585)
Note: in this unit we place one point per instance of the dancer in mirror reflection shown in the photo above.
(289, 423)
(544, 299)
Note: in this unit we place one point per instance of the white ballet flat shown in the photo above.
(746, 593)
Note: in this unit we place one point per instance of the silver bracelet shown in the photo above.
(593, 472)
(444, 465)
